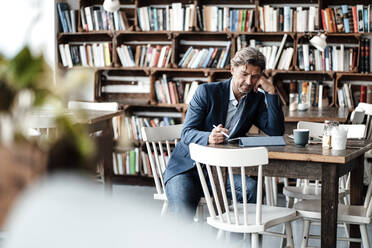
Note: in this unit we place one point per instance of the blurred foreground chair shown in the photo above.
(238, 217)
(155, 138)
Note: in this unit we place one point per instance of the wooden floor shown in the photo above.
(145, 194)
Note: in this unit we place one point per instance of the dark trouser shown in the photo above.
(184, 192)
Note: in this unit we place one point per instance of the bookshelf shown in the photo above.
(135, 87)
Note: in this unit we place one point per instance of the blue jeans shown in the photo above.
(184, 192)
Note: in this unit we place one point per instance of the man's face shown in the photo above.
(244, 78)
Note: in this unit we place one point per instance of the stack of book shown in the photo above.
(334, 58)
(348, 19)
(174, 92)
(213, 57)
(287, 19)
(216, 18)
(174, 17)
(87, 55)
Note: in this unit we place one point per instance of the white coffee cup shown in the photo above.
(339, 138)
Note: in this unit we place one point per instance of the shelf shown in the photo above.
(354, 76)
(303, 75)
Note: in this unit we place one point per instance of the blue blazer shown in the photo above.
(209, 107)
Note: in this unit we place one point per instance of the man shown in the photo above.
(232, 106)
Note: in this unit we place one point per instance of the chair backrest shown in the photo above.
(355, 131)
(315, 128)
(103, 106)
(367, 107)
(156, 136)
(217, 158)
(368, 201)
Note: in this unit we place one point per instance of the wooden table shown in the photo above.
(312, 162)
(94, 120)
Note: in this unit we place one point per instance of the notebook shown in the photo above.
(261, 141)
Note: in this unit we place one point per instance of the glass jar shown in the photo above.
(326, 139)
(293, 101)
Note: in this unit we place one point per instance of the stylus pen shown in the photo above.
(222, 132)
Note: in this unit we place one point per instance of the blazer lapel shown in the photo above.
(225, 92)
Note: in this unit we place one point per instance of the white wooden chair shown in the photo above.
(309, 210)
(155, 137)
(238, 217)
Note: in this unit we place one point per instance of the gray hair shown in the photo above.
(249, 55)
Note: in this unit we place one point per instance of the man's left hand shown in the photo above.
(266, 84)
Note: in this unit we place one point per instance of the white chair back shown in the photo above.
(154, 138)
(218, 158)
(367, 107)
(315, 128)
(368, 201)
(103, 106)
(355, 131)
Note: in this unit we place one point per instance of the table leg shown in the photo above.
(107, 160)
(356, 197)
(329, 206)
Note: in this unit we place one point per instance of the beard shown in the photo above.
(245, 89)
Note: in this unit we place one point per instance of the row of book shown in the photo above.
(135, 162)
(213, 57)
(135, 124)
(176, 92)
(145, 56)
(365, 56)
(227, 19)
(93, 55)
(277, 57)
(334, 58)
(348, 97)
(348, 19)
(127, 163)
(67, 18)
(287, 19)
(171, 17)
(95, 18)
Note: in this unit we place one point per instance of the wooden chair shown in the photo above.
(238, 217)
(309, 210)
(155, 137)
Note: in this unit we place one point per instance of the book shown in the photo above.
(62, 8)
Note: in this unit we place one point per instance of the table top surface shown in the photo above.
(316, 115)
(314, 152)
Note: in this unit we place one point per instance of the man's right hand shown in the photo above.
(216, 136)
